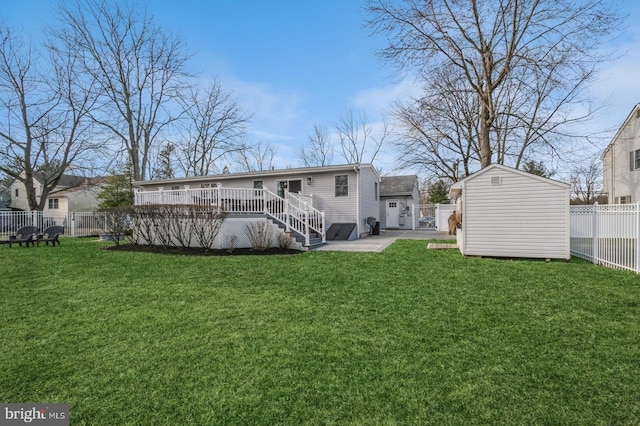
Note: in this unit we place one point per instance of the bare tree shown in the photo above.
(548, 47)
(162, 167)
(358, 141)
(586, 183)
(46, 131)
(139, 68)
(440, 138)
(214, 124)
(318, 150)
(256, 157)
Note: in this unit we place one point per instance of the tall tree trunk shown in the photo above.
(485, 140)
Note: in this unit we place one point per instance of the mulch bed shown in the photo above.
(194, 251)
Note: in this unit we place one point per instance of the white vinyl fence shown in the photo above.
(432, 216)
(607, 234)
(76, 224)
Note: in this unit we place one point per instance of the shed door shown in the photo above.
(393, 213)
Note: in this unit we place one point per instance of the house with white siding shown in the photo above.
(621, 162)
(510, 213)
(316, 203)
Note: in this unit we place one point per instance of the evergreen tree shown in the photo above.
(117, 193)
(439, 192)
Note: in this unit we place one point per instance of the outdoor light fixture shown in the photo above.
(309, 180)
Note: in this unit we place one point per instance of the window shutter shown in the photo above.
(632, 159)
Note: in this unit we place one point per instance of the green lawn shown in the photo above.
(407, 336)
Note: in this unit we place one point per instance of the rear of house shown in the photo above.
(509, 213)
(345, 194)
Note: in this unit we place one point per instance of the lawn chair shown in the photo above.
(24, 235)
(51, 234)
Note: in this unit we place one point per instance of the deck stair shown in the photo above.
(315, 239)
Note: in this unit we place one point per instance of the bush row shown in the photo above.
(184, 226)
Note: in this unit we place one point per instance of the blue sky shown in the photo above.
(298, 63)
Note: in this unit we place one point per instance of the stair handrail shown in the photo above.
(299, 200)
(300, 220)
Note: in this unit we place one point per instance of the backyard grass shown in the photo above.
(407, 336)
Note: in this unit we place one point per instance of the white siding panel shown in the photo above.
(369, 206)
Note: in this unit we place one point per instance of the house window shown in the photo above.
(625, 199)
(634, 160)
(375, 190)
(17, 192)
(175, 187)
(53, 204)
(205, 185)
(342, 185)
(257, 184)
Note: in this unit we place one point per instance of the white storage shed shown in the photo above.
(510, 213)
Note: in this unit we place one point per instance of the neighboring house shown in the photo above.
(72, 194)
(510, 213)
(342, 197)
(621, 162)
(398, 195)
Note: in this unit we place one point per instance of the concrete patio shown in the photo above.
(377, 243)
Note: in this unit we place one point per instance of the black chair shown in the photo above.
(51, 234)
(24, 235)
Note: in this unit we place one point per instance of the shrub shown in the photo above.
(206, 222)
(118, 223)
(259, 234)
(284, 240)
(232, 243)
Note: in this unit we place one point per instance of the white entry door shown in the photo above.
(393, 213)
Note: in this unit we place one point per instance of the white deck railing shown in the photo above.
(294, 211)
(607, 234)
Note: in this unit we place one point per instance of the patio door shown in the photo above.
(393, 213)
(293, 186)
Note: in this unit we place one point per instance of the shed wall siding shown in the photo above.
(521, 217)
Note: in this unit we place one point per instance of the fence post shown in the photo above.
(594, 243)
(637, 245)
(73, 224)
(414, 215)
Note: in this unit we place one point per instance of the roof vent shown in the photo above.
(496, 180)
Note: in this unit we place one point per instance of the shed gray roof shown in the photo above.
(397, 185)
